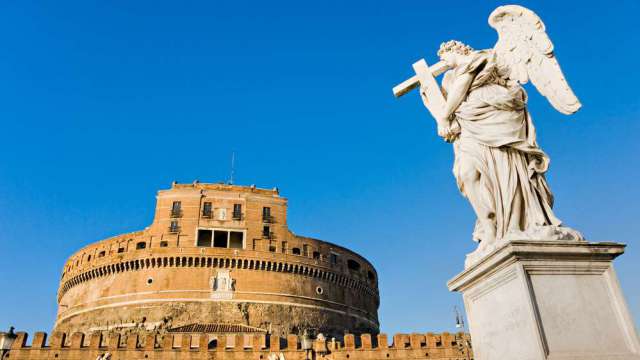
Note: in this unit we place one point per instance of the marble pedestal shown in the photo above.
(547, 300)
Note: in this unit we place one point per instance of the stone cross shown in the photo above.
(425, 78)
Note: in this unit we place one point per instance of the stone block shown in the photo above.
(548, 300)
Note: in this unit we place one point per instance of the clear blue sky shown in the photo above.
(104, 103)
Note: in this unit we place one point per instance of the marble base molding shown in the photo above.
(533, 299)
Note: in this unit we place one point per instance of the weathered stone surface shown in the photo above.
(548, 300)
(209, 346)
(170, 274)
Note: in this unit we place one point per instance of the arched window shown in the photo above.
(353, 265)
(212, 344)
(295, 251)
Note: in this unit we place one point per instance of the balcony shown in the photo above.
(237, 216)
(207, 214)
(176, 213)
(268, 219)
(174, 229)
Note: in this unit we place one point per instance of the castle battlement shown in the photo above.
(445, 346)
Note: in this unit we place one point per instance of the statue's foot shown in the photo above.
(540, 233)
(545, 232)
(484, 232)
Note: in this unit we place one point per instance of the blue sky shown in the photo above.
(104, 103)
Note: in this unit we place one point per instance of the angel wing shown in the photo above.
(525, 49)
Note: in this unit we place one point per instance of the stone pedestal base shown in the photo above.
(547, 300)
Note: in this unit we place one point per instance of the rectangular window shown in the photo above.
(236, 240)
(305, 250)
(316, 255)
(266, 214)
(220, 239)
(272, 246)
(176, 209)
(174, 228)
(207, 210)
(204, 237)
(284, 247)
(266, 232)
(237, 211)
(333, 258)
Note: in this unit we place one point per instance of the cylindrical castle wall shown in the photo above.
(173, 287)
(175, 272)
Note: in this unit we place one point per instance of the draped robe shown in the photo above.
(498, 140)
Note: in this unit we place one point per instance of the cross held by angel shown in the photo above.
(481, 109)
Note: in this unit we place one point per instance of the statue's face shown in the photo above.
(450, 58)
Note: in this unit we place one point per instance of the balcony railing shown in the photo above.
(237, 216)
(174, 229)
(176, 213)
(207, 214)
(268, 219)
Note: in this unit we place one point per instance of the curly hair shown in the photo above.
(454, 46)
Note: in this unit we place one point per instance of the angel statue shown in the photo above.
(481, 109)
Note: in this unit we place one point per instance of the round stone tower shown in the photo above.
(218, 255)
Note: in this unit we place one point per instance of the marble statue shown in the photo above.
(481, 108)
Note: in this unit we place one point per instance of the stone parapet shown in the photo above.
(78, 346)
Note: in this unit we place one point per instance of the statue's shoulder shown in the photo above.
(476, 61)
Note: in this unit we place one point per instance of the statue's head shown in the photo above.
(453, 51)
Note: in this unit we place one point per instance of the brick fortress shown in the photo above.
(218, 274)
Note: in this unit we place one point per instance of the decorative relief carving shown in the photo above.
(222, 285)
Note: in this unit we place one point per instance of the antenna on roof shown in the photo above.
(233, 164)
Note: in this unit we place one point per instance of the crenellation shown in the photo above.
(203, 343)
(114, 341)
(365, 341)
(238, 342)
(222, 343)
(383, 341)
(349, 342)
(20, 341)
(181, 346)
(400, 341)
(39, 340)
(95, 340)
(417, 341)
(167, 342)
(291, 342)
(274, 343)
(77, 340)
(57, 340)
(132, 341)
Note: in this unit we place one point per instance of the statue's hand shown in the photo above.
(448, 130)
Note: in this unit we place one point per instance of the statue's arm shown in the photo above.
(456, 94)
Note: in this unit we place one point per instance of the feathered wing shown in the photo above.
(525, 49)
